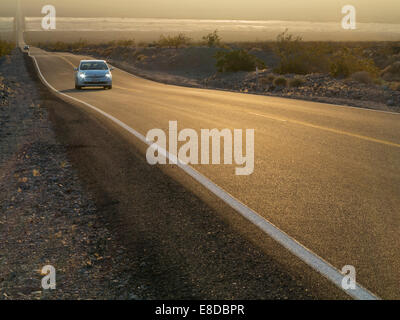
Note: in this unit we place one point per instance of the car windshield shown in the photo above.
(97, 65)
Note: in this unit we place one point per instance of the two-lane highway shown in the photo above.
(328, 176)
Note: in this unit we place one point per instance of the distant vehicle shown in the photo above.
(93, 73)
(26, 48)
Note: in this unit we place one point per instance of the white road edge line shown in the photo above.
(296, 248)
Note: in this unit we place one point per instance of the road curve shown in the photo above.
(328, 176)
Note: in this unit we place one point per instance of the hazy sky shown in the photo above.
(305, 10)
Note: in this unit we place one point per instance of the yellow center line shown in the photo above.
(350, 134)
(123, 88)
(269, 117)
(66, 60)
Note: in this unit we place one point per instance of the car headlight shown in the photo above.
(82, 75)
(108, 75)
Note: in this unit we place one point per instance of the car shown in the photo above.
(93, 73)
(26, 48)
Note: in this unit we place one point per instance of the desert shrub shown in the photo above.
(280, 82)
(296, 82)
(237, 60)
(347, 61)
(271, 77)
(5, 47)
(341, 60)
(384, 53)
(395, 86)
(63, 46)
(267, 80)
(362, 77)
(107, 52)
(299, 57)
(141, 57)
(389, 48)
(122, 43)
(78, 45)
(255, 49)
(56, 46)
(212, 39)
(392, 72)
(177, 41)
(378, 81)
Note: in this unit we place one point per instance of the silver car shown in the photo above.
(93, 73)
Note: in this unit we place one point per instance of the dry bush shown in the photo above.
(237, 60)
(296, 82)
(280, 82)
(107, 52)
(64, 46)
(362, 77)
(299, 57)
(347, 61)
(395, 86)
(339, 59)
(267, 80)
(177, 41)
(392, 72)
(141, 57)
(122, 43)
(6, 47)
(212, 39)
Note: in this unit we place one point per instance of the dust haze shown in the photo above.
(377, 20)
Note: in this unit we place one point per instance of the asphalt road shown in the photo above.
(329, 176)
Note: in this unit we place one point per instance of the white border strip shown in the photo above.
(300, 251)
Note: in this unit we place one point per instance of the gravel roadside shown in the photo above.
(46, 216)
